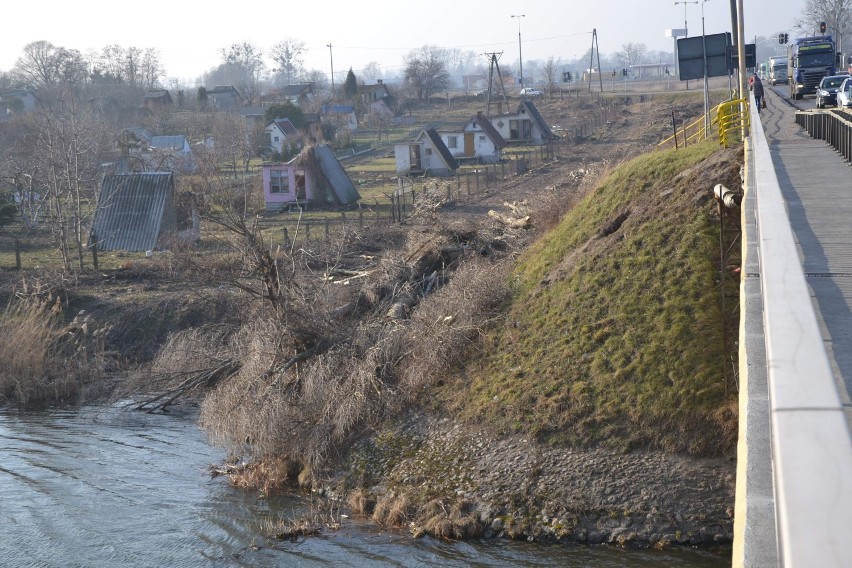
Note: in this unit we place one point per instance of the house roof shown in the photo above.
(130, 210)
(448, 158)
(285, 126)
(251, 111)
(175, 142)
(490, 131)
(320, 157)
(223, 89)
(140, 133)
(337, 108)
(336, 175)
(158, 94)
(371, 88)
(297, 90)
(536, 116)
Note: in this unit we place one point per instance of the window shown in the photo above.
(520, 130)
(452, 142)
(279, 181)
(428, 151)
(482, 138)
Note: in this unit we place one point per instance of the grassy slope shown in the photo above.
(617, 338)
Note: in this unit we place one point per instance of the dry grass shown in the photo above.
(46, 361)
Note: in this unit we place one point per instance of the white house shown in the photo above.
(340, 115)
(426, 154)
(524, 126)
(283, 137)
(477, 140)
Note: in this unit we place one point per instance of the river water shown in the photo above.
(105, 486)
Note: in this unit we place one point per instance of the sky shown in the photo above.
(190, 36)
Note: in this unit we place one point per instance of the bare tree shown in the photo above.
(371, 71)
(244, 62)
(287, 54)
(55, 163)
(837, 15)
(426, 71)
(549, 73)
(632, 53)
(44, 65)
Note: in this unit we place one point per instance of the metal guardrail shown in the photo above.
(732, 118)
(811, 446)
(835, 127)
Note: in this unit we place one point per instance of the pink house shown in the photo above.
(314, 177)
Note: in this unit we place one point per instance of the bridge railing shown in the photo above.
(811, 447)
(834, 127)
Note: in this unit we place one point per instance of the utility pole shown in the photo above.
(520, 53)
(331, 56)
(595, 49)
(685, 26)
(501, 88)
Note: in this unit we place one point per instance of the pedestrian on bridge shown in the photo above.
(757, 88)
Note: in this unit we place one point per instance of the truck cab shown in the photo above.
(809, 59)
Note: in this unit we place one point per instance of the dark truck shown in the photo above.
(809, 59)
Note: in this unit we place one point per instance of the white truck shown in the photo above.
(776, 67)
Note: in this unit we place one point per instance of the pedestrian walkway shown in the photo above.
(816, 183)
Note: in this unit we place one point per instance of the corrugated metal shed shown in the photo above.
(343, 187)
(134, 210)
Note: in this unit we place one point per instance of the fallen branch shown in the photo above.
(197, 379)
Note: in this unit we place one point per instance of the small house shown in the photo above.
(135, 212)
(478, 140)
(225, 97)
(524, 126)
(301, 95)
(282, 136)
(426, 154)
(313, 178)
(157, 98)
(340, 115)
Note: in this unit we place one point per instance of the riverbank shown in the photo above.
(439, 477)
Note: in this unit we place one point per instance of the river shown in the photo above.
(105, 486)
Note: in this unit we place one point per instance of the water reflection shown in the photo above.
(113, 487)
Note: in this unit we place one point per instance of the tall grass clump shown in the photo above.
(44, 360)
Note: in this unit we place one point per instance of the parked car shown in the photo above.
(844, 93)
(827, 90)
(527, 92)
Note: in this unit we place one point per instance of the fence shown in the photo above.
(834, 127)
(411, 193)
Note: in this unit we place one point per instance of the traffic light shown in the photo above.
(624, 72)
(822, 27)
(781, 38)
(786, 38)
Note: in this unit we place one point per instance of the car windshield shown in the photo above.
(832, 82)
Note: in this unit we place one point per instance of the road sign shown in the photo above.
(690, 56)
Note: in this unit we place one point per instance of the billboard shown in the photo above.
(690, 56)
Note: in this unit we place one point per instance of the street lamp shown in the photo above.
(331, 57)
(520, 53)
(685, 26)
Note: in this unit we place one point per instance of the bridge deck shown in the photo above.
(816, 183)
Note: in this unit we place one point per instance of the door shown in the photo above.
(414, 160)
(469, 150)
